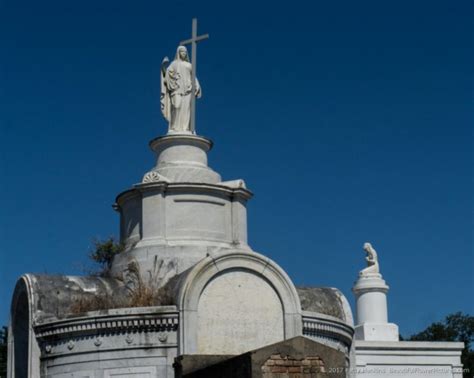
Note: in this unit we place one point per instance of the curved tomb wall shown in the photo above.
(131, 219)
(328, 331)
(21, 331)
(133, 342)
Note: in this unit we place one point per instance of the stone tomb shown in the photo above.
(298, 357)
(185, 233)
(185, 236)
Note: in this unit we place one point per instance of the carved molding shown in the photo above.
(129, 338)
(163, 337)
(153, 176)
(71, 344)
(111, 324)
(326, 329)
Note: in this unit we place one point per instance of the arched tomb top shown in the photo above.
(239, 271)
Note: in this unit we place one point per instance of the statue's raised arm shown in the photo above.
(372, 261)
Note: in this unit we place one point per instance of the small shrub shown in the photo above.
(104, 252)
(140, 293)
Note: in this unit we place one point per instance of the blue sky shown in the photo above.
(350, 121)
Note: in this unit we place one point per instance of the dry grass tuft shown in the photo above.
(148, 296)
(95, 303)
(141, 294)
(144, 296)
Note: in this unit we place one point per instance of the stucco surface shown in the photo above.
(238, 311)
(323, 300)
(52, 297)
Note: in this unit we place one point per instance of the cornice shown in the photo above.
(314, 325)
(154, 319)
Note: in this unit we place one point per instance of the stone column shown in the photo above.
(372, 324)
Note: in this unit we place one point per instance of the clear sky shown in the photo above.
(351, 121)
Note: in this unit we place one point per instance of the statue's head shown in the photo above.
(367, 246)
(182, 53)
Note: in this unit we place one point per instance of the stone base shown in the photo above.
(376, 332)
(408, 359)
(183, 158)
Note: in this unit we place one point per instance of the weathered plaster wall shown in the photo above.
(238, 311)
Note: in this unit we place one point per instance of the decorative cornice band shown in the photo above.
(151, 322)
(338, 331)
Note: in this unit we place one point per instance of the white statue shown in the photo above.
(372, 261)
(176, 88)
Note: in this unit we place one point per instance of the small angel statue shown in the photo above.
(372, 262)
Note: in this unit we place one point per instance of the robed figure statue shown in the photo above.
(372, 261)
(176, 88)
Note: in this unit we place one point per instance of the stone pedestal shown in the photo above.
(182, 158)
(180, 212)
(372, 321)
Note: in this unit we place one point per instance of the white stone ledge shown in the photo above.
(409, 346)
(195, 186)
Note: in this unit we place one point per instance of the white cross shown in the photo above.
(193, 41)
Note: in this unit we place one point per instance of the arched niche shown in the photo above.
(234, 302)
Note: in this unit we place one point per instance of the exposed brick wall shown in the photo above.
(278, 366)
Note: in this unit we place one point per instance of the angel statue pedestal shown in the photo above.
(370, 291)
(181, 158)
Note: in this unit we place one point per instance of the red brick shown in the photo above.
(294, 369)
(279, 369)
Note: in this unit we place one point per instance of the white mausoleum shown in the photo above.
(185, 236)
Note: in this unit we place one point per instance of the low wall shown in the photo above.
(129, 342)
(408, 359)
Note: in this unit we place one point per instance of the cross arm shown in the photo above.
(197, 39)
